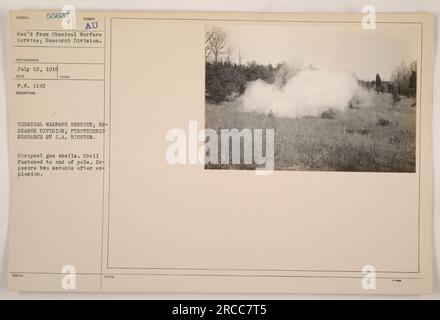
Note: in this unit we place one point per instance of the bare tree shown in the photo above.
(215, 44)
(401, 78)
(240, 57)
(228, 54)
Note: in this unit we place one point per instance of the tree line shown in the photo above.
(403, 82)
(225, 79)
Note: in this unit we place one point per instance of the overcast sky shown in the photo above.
(345, 47)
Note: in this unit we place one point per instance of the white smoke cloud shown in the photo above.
(308, 92)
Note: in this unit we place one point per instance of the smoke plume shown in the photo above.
(308, 92)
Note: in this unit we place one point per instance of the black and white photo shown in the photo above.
(338, 97)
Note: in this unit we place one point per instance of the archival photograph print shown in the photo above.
(337, 97)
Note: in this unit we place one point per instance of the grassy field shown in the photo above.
(379, 137)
